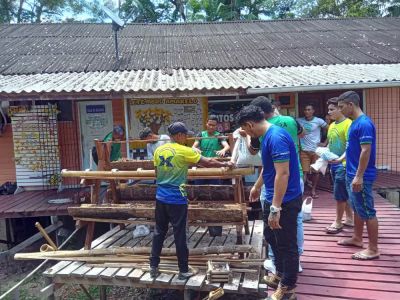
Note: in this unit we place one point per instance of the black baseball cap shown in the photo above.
(179, 127)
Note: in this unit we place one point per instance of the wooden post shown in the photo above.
(107, 167)
(103, 292)
(49, 281)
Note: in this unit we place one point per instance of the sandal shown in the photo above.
(363, 256)
(348, 224)
(333, 229)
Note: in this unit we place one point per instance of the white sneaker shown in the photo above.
(270, 266)
(300, 268)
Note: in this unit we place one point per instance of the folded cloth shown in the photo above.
(322, 162)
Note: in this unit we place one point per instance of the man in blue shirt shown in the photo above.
(281, 177)
(360, 175)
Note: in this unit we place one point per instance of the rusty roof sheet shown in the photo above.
(289, 78)
(51, 48)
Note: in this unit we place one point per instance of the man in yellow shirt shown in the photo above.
(337, 139)
(172, 161)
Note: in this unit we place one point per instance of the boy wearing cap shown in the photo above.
(171, 162)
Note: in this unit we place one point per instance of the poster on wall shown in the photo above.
(35, 136)
(159, 113)
(226, 114)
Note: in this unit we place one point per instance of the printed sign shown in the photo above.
(159, 113)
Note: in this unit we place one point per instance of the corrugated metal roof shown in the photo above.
(50, 48)
(190, 80)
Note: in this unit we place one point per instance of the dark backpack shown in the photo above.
(8, 188)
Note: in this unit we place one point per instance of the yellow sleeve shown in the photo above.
(191, 156)
(348, 124)
(156, 158)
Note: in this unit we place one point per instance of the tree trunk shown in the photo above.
(38, 14)
(19, 12)
(212, 212)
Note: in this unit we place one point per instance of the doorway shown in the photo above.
(96, 120)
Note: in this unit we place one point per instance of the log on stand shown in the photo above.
(212, 213)
(221, 214)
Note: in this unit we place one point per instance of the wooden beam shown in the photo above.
(150, 174)
(214, 212)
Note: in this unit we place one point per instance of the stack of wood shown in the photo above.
(138, 257)
(218, 272)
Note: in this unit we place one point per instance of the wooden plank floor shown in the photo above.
(35, 204)
(385, 180)
(80, 273)
(330, 273)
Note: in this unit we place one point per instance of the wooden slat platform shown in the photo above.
(80, 273)
(330, 273)
(35, 204)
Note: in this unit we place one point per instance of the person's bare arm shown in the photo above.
(338, 160)
(362, 166)
(196, 144)
(281, 182)
(253, 150)
(222, 152)
(256, 189)
(213, 163)
(280, 187)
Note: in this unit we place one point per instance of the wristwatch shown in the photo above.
(274, 209)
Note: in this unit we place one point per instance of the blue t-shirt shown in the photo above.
(278, 146)
(362, 131)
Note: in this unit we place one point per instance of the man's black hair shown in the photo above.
(250, 113)
(350, 96)
(264, 103)
(212, 118)
(144, 133)
(309, 104)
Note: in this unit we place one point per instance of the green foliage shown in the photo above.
(346, 8)
(394, 8)
(6, 9)
(152, 11)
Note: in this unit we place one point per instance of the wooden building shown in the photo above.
(183, 72)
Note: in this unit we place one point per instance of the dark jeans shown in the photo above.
(284, 241)
(176, 214)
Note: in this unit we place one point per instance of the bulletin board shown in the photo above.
(36, 152)
(159, 113)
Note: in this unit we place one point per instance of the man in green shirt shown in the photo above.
(115, 136)
(211, 145)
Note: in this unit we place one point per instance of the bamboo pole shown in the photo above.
(132, 251)
(150, 174)
(46, 236)
(33, 272)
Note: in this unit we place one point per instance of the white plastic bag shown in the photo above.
(141, 230)
(244, 155)
(322, 162)
(306, 208)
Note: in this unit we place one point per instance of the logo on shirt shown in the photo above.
(166, 156)
(166, 161)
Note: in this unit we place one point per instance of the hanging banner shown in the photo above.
(35, 136)
(159, 113)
